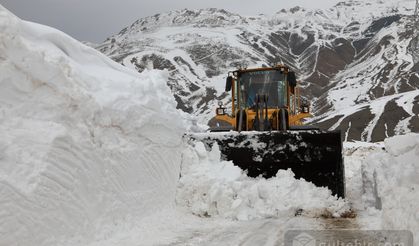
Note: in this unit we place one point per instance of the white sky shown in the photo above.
(95, 20)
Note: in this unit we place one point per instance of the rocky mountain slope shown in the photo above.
(355, 59)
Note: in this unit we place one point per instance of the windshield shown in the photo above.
(270, 82)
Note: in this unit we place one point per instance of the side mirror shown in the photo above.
(229, 82)
(292, 80)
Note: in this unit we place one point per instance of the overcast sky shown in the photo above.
(95, 20)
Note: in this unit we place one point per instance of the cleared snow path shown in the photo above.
(261, 232)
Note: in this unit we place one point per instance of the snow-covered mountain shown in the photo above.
(353, 59)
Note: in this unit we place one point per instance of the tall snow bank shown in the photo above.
(87, 146)
(210, 187)
(391, 182)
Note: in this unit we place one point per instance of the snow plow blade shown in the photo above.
(314, 155)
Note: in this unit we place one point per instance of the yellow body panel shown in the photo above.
(294, 120)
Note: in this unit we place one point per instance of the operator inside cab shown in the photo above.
(270, 82)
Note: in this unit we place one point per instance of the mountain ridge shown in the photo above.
(353, 53)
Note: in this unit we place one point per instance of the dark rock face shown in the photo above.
(359, 66)
(380, 24)
(386, 126)
(299, 44)
(356, 124)
(154, 61)
(330, 60)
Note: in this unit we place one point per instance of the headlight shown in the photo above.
(220, 111)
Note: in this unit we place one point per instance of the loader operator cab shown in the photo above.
(262, 99)
(271, 83)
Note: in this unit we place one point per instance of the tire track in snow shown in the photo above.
(260, 232)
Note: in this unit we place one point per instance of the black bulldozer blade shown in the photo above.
(313, 155)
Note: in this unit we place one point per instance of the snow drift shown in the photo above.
(86, 145)
(382, 183)
(210, 187)
(391, 184)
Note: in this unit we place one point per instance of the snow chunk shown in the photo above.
(399, 145)
(211, 187)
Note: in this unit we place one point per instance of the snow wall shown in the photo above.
(390, 180)
(86, 145)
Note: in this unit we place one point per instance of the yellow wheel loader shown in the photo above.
(265, 131)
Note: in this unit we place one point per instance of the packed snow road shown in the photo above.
(178, 227)
(261, 232)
